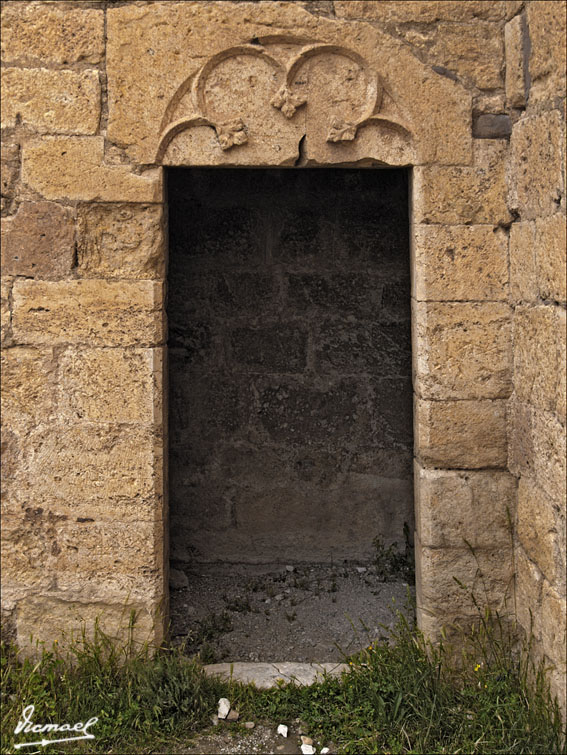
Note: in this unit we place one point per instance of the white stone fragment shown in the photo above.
(308, 749)
(290, 568)
(224, 708)
(282, 729)
(324, 750)
(361, 569)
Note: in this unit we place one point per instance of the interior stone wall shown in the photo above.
(290, 403)
(98, 97)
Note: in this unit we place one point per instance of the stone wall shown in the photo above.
(536, 411)
(99, 97)
(290, 404)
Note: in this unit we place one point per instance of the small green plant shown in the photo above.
(391, 563)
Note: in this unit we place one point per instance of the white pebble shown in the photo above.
(282, 729)
(324, 750)
(308, 749)
(224, 708)
(361, 569)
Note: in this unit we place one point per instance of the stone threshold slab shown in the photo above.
(267, 675)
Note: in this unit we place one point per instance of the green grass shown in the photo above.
(401, 696)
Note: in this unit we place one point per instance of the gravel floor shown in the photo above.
(307, 612)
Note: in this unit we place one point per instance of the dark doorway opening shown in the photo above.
(290, 399)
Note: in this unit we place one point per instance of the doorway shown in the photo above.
(290, 395)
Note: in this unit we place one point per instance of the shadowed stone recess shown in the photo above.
(290, 364)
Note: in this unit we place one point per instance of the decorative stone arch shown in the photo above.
(206, 86)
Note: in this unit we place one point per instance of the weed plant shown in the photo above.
(402, 695)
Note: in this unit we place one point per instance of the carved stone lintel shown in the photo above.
(231, 133)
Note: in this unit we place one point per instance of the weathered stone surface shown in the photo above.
(87, 461)
(60, 167)
(536, 528)
(36, 33)
(268, 675)
(529, 583)
(6, 282)
(536, 352)
(28, 383)
(551, 257)
(462, 434)
(135, 120)
(412, 10)
(550, 454)
(455, 195)
(459, 263)
(486, 573)
(39, 241)
(473, 52)
(270, 349)
(554, 609)
(514, 45)
(51, 102)
(111, 385)
(520, 438)
(562, 364)
(462, 350)
(492, 126)
(523, 278)
(536, 183)
(63, 618)
(120, 241)
(9, 172)
(93, 312)
(546, 28)
(449, 506)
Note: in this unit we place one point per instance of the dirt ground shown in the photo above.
(308, 612)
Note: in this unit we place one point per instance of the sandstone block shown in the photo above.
(554, 611)
(111, 385)
(463, 195)
(9, 171)
(393, 11)
(536, 352)
(87, 462)
(459, 263)
(39, 241)
(486, 574)
(28, 382)
(514, 45)
(63, 618)
(546, 28)
(6, 282)
(61, 167)
(450, 505)
(528, 584)
(462, 350)
(472, 51)
(562, 364)
(551, 257)
(51, 102)
(523, 278)
(550, 455)
(536, 527)
(492, 126)
(93, 312)
(36, 33)
(463, 434)
(120, 241)
(536, 162)
(520, 438)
